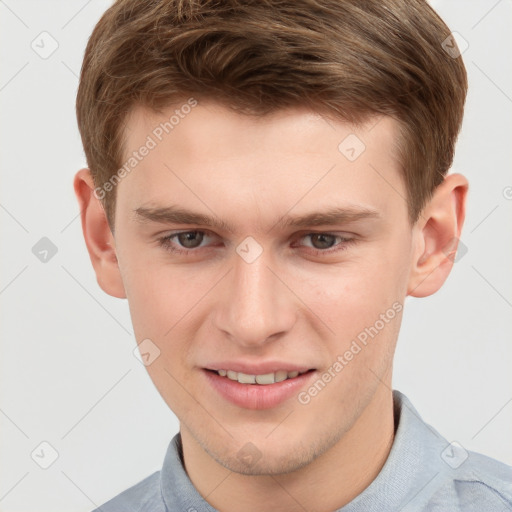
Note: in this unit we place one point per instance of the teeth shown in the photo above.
(267, 378)
(281, 375)
(243, 378)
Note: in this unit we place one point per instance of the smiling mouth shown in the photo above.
(263, 379)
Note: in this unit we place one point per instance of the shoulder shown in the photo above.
(144, 496)
(479, 484)
(439, 476)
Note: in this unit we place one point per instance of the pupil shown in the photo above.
(190, 239)
(323, 243)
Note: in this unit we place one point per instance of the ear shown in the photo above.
(436, 236)
(98, 236)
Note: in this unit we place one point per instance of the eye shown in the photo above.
(188, 241)
(322, 240)
(325, 243)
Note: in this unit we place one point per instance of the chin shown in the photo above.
(281, 455)
(267, 463)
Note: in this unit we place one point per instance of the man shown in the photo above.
(266, 183)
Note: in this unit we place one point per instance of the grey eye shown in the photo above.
(322, 240)
(190, 239)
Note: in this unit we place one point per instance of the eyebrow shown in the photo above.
(330, 216)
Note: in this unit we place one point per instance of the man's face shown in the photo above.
(290, 297)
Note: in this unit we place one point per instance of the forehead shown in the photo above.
(220, 161)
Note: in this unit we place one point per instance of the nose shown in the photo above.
(256, 305)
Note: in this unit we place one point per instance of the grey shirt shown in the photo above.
(423, 472)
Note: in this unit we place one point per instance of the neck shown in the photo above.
(329, 482)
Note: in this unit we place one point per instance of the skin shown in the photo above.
(288, 305)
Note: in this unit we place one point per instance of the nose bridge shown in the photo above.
(257, 305)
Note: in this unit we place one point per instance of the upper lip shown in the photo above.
(259, 368)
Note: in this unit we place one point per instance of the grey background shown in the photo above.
(67, 371)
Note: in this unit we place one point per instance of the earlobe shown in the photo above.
(98, 236)
(436, 235)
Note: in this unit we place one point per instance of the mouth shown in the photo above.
(261, 379)
(258, 390)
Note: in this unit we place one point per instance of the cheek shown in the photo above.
(353, 296)
(362, 308)
(161, 301)
(158, 299)
(158, 294)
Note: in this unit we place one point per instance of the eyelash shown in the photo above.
(165, 242)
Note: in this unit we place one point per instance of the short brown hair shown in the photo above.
(347, 58)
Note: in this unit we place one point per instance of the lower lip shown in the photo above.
(257, 396)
